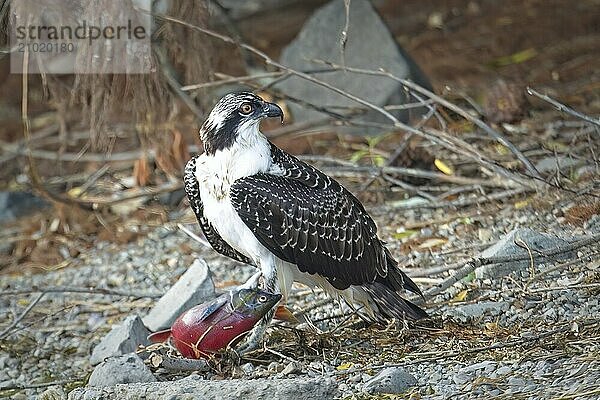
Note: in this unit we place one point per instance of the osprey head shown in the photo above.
(236, 115)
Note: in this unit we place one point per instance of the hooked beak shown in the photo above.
(273, 110)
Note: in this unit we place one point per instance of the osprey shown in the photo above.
(262, 206)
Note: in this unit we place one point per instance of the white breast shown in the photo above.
(216, 173)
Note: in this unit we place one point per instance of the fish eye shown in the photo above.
(262, 298)
(246, 108)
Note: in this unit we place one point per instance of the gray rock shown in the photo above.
(184, 364)
(128, 368)
(461, 378)
(53, 393)
(514, 381)
(369, 45)
(550, 314)
(471, 372)
(552, 164)
(291, 368)
(507, 247)
(504, 370)
(392, 380)
(194, 287)
(16, 204)
(467, 312)
(485, 366)
(194, 387)
(247, 368)
(237, 9)
(122, 339)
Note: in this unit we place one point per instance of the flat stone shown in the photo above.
(392, 380)
(486, 366)
(128, 368)
(514, 381)
(467, 312)
(369, 45)
(504, 370)
(194, 287)
(184, 364)
(248, 369)
(237, 9)
(122, 339)
(507, 247)
(53, 393)
(563, 164)
(291, 368)
(461, 378)
(194, 387)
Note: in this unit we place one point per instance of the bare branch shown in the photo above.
(474, 263)
(6, 331)
(344, 33)
(563, 108)
(486, 128)
(75, 289)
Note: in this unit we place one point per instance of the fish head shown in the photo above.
(253, 303)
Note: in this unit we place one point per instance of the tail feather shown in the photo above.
(390, 305)
(397, 279)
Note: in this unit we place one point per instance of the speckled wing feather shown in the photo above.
(308, 219)
(193, 193)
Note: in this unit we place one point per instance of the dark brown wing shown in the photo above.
(192, 191)
(308, 219)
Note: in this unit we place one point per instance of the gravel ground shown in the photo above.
(531, 334)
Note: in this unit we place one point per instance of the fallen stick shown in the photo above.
(74, 289)
(474, 263)
(437, 355)
(6, 331)
(561, 107)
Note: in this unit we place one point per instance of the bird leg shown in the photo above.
(251, 283)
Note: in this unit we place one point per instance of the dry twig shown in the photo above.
(561, 107)
(6, 331)
(522, 341)
(474, 263)
(394, 121)
(453, 107)
(74, 289)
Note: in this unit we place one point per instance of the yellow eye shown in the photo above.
(262, 298)
(246, 108)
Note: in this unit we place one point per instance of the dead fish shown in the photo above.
(210, 327)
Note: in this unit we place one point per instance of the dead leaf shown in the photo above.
(501, 149)
(75, 192)
(433, 242)
(443, 167)
(461, 296)
(521, 204)
(405, 234)
(283, 313)
(141, 171)
(179, 149)
(580, 213)
(344, 366)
